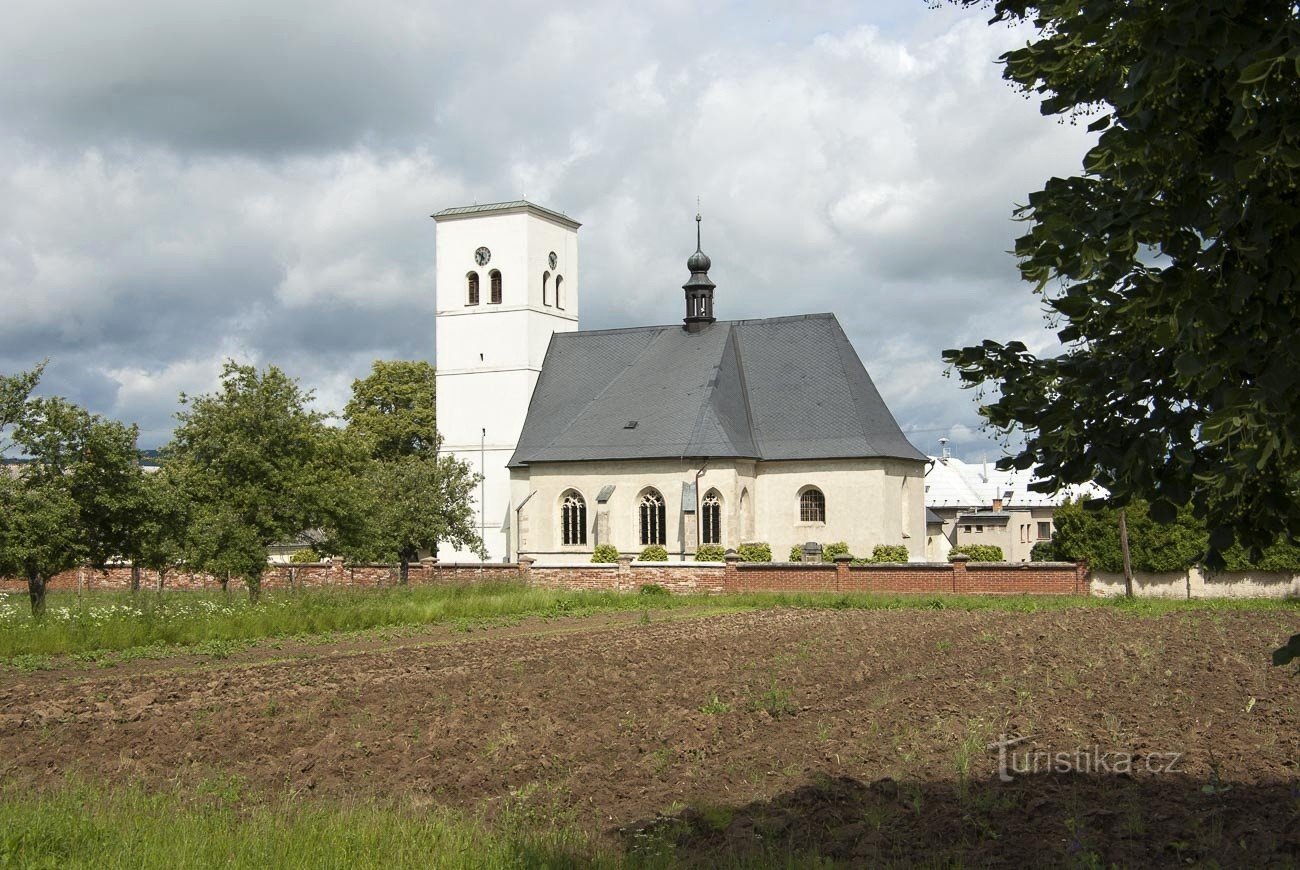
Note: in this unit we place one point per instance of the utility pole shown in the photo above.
(482, 498)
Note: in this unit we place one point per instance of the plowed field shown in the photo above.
(861, 735)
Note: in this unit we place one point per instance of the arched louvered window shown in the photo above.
(573, 519)
(546, 288)
(654, 519)
(812, 506)
(495, 277)
(471, 288)
(711, 518)
(559, 291)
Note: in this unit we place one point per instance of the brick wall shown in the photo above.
(959, 577)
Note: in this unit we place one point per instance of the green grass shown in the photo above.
(82, 826)
(113, 626)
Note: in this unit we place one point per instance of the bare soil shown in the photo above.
(860, 735)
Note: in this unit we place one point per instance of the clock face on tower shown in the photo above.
(482, 255)
(554, 260)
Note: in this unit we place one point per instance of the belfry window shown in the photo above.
(546, 288)
(559, 291)
(812, 506)
(711, 518)
(573, 519)
(471, 286)
(653, 519)
(495, 277)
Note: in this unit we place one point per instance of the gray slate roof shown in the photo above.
(514, 205)
(781, 388)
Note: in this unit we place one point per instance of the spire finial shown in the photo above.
(698, 219)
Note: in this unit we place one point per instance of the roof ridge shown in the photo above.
(744, 391)
(706, 405)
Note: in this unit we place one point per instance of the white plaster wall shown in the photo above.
(489, 356)
(869, 502)
(1198, 583)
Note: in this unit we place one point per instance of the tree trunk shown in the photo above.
(1123, 549)
(135, 579)
(162, 578)
(254, 583)
(36, 592)
(225, 583)
(405, 571)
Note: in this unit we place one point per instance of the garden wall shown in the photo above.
(1196, 582)
(959, 577)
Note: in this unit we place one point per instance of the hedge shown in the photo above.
(653, 553)
(889, 553)
(756, 551)
(605, 553)
(709, 553)
(979, 552)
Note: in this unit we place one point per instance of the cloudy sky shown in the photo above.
(187, 182)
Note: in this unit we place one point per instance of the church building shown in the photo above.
(705, 432)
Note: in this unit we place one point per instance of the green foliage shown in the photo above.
(980, 552)
(652, 590)
(218, 825)
(653, 553)
(604, 553)
(1044, 551)
(77, 499)
(1168, 263)
(796, 553)
(709, 553)
(1089, 531)
(889, 553)
(15, 393)
(755, 552)
(394, 409)
(833, 549)
(304, 557)
(259, 468)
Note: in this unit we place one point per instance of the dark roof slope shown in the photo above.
(782, 388)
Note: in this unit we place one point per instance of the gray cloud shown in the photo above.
(188, 182)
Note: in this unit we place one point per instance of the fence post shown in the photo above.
(526, 569)
(730, 577)
(842, 563)
(958, 562)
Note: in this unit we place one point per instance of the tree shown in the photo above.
(257, 466)
(159, 536)
(74, 500)
(1169, 263)
(410, 498)
(394, 409)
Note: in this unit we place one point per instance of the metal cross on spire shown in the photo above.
(698, 219)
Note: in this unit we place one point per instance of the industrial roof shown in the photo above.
(780, 388)
(514, 205)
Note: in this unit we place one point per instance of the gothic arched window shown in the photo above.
(559, 291)
(711, 518)
(654, 519)
(471, 287)
(812, 506)
(495, 277)
(573, 519)
(546, 288)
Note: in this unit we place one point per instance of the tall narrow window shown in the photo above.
(711, 519)
(546, 288)
(573, 519)
(653, 519)
(559, 291)
(495, 277)
(471, 284)
(812, 506)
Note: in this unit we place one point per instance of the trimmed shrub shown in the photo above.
(833, 549)
(796, 553)
(653, 553)
(889, 553)
(605, 553)
(304, 557)
(1043, 551)
(709, 553)
(755, 551)
(980, 552)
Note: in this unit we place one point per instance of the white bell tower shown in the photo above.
(507, 278)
